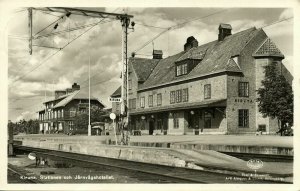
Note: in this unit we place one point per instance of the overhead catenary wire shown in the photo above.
(151, 26)
(49, 13)
(48, 26)
(275, 22)
(69, 30)
(44, 61)
(175, 27)
(184, 23)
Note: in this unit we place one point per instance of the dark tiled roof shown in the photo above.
(193, 53)
(205, 103)
(143, 67)
(117, 93)
(59, 98)
(79, 94)
(268, 49)
(215, 60)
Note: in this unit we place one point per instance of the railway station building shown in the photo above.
(204, 89)
(60, 112)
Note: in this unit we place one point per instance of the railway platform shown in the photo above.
(195, 152)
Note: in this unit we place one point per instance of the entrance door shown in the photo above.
(151, 127)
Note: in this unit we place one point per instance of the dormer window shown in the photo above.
(188, 61)
(181, 69)
(235, 58)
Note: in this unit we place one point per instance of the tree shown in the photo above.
(275, 97)
(81, 121)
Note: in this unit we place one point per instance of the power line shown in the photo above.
(48, 26)
(69, 30)
(21, 10)
(97, 83)
(150, 26)
(175, 27)
(44, 61)
(276, 22)
(48, 13)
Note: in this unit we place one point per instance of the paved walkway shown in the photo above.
(243, 140)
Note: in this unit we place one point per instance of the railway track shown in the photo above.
(160, 173)
(15, 174)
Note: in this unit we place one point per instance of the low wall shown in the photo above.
(146, 155)
(267, 150)
(237, 148)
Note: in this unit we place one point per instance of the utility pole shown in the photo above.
(30, 29)
(125, 21)
(44, 129)
(124, 91)
(89, 126)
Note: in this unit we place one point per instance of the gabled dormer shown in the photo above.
(192, 57)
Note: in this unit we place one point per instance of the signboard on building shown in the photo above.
(114, 99)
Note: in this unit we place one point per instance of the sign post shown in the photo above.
(113, 117)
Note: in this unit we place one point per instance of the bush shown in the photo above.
(81, 131)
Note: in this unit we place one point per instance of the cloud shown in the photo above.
(287, 13)
(240, 25)
(288, 62)
(27, 115)
(103, 45)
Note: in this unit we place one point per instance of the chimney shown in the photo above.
(224, 30)
(59, 93)
(157, 54)
(75, 87)
(191, 42)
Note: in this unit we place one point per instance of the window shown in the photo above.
(185, 95)
(178, 71)
(71, 125)
(184, 69)
(132, 103)
(150, 100)
(129, 84)
(142, 102)
(262, 128)
(243, 89)
(172, 97)
(207, 120)
(159, 124)
(207, 91)
(178, 96)
(181, 69)
(117, 106)
(82, 110)
(159, 99)
(175, 121)
(243, 118)
(72, 112)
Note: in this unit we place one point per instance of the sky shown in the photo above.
(30, 77)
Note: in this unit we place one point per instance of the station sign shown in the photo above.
(114, 99)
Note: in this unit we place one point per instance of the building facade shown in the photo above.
(203, 89)
(60, 112)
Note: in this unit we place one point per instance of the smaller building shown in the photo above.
(60, 112)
